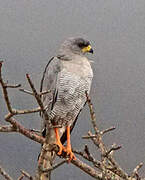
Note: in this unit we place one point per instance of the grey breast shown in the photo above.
(70, 81)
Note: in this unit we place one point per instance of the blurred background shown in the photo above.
(30, 34)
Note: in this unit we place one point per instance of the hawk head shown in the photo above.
(77, 46)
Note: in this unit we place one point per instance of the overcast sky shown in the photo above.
(31, 32)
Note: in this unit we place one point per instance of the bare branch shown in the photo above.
(88, 169)
(26, 174)
(26, 91)
(59, 164)
(88, 137)
(36, 131)
(92, 113)
(26, 111)
(115, 167)
(112, 149)
(31, 93)
(13, 86)
(37, 96)
(8, 128)
(89, 157)
(44, 92)
(5, 90)
(20, 177)
(107, 130)
(135, 171)
(4, 174)
(55, 166)
(99, 142)
(23, 130)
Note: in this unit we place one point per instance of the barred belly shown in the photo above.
(71, 96)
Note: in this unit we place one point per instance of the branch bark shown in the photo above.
(104, 169)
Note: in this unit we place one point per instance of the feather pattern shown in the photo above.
(68, 81)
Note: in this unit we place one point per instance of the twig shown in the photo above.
(44, 92)
(116, 169)
(4, 174)
(37, 96)
(36, 131)
(31, 93)
(99, 142)
(23, 130)
(5, 90)
(107, 130)
(8, 128)
(26, 111)
(89, 157)
(21, 177)
(112, 149)
(13, 86)
(88, 137)
(135, 171)
(55, 166)
(88, 169)
(92, 113)
(26, 91)
(26, 174)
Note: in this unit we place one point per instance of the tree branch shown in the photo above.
(87, 169)
(4, 174)
(8, 128)
(23, 130)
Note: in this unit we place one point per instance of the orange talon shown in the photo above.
(58, 142)
(68, 149)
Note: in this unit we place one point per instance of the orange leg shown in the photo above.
(58, 142)
(68, 147)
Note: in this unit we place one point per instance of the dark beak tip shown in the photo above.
(91, 51)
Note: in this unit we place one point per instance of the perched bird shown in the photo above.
(68, 76)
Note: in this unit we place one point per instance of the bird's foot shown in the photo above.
(61, 148)
(71, 155)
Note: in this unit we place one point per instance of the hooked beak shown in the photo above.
(87, 49)
(91, 51)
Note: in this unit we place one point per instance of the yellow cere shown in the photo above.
(86, 49)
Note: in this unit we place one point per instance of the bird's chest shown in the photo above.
(74, 83)
(80, 68)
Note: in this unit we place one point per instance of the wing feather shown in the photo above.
(49, 82)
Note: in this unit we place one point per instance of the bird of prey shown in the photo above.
(68, 76)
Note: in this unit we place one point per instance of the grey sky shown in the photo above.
(31, 32)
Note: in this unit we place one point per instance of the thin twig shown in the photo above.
(26, 91)
(87, 169)
(4, 174)
(5, 93)
(23, 130)
(92, 113)
(26, 111)
(116, 169)
(26, 174)
(89, 157)
(21, 177)
(8, 128)
(88, 137)
(44, 92)
(37, 96)
(107, 130)
(31, 93)
(55, 166)
(99, 142)
(112, 149)
(135, 171)
(13, 86)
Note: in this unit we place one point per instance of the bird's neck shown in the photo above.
(68, 55)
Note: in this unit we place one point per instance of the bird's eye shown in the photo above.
(81, 45)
